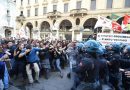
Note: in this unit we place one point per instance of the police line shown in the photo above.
(108, 38)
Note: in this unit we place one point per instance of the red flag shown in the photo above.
(126, 19)
(116, 27)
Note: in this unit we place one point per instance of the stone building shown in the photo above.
(65, 19)
(7, 18)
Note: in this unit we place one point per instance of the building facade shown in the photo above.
(7, 18)
(65, 19)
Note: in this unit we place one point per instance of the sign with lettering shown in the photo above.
(107, 38)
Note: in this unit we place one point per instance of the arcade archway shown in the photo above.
(30, 27)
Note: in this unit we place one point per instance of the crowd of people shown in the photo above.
(92, 65)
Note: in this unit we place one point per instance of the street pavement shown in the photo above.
(55, 82)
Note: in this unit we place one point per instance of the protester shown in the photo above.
(32, 62)
(92, 65)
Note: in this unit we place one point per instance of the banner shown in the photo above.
(103, 22)
(112, 25)
(116, 26)
(108, 38)
(126, 19)
(125, 23)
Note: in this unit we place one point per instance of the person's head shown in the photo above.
(37, 44)
(58, 44)
(126, 49)
(79, 46)
(29, 46)
(21, 46)
(108, 47)
(92, 47)
(116, 47)
(10, 44)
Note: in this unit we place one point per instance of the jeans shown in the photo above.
(6, 78)
(58, 65)
(1, 85)
(29, 72)
(12, 62)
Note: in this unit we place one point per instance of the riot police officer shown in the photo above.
(125, 65)
(89, 67)
(114, 65)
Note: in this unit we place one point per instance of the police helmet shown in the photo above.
(101, 50)
(127, 48)
(92, 46)
(116, 47)
(79, 45)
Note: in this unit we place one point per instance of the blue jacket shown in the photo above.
(32, 56)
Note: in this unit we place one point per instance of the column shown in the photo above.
(57, 34)
(72, 34)
(81, 35)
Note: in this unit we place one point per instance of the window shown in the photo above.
(8, 13)
(36, 23)
(77, 21)
(109, 3)
(28, 13)
(54, 7)
(127, 3)
(28, 2)
(78, 5)
(44, 10)
(93, 5)
(36, 1)
(36, 11)
(21, 13)
(66, 7)
(21, 2)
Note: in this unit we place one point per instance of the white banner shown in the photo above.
(103, 22)
(107, 38)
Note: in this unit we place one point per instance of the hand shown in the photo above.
(27, 51)
(108, 62)
(18, 52)
(127, 73)
(122, 70)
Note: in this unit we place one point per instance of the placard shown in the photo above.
(108, 38)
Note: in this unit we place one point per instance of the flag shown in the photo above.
(103, 22)
(125, 22)
(116, 27)
(114, 17)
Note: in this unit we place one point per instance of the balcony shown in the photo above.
(54, 14)
(36, 4)
(54, 1)
(28, 6)
(78, 12)
(20, 19)
(45, 3)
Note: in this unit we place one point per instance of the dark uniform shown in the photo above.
(88, 68)
(114, 75)
(126, 66)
